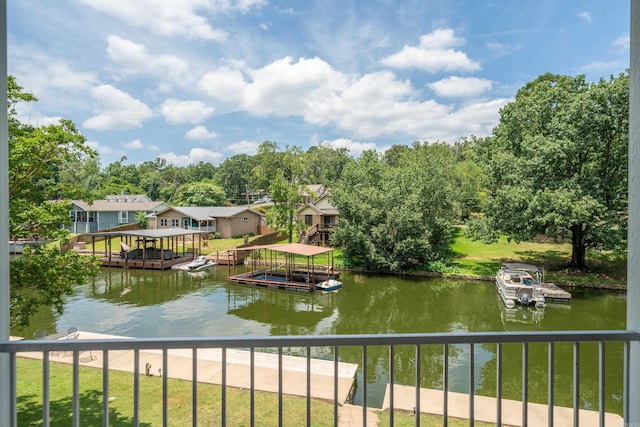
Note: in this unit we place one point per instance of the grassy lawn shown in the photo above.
(477, 258)
(150, 409)
(403, 419)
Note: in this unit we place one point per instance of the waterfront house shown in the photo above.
(110, 212)
(320, 216)
(225, 220)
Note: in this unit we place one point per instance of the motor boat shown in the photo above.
(520, 284)
(199, 263)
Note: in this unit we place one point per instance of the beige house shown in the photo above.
(320, 216)
(227, 221)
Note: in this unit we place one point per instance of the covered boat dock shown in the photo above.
(156, 249)
(285, 266)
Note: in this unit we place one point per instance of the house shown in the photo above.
(313, 192)
(112, 211)
(227, 221)
(320, 216)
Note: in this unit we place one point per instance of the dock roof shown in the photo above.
(290, 248)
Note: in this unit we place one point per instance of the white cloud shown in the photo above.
(133, 59)
(244, 147)
(225, 85)
(585, 16)
(196, 155)
(116, 110)
(101, 149)
(201, 133)
(355, 148)
(460, 86)
(622, 43)
(26, 114)
(366, 106)
(179, 112)
(136, 144)
(434, 54)
(170, 18)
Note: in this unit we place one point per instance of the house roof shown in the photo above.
(203, 213)
(152, 233)
(106, 206)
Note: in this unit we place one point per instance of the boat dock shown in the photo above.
(553, 293)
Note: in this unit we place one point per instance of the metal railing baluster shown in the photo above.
(364, 385)
(601, 381)
(280, 386)
(472, 381)
(253, 386)
(308, 386)
(223, 392)
(45, 389)
(445, 386)
(105, 388)
(194, 387)
(551, 383)
(136, 387)
(499, 385)
(525, 384)
(418, 384)
(13, 378)
(576, 384)
(75, 418)
(391, 383)
(335, 386)
(165, 388)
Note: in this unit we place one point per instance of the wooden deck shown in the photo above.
(554, 293)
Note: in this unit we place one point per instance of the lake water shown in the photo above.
(139, 303)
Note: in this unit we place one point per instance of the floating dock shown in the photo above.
(553, 293)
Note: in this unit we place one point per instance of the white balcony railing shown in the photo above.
(77, 350)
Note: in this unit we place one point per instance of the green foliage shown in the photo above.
(42, 275)
(396, 215)
(558, 165)
(141, 219)
(199, 194)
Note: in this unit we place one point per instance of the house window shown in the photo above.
(78, 216)
(308, 219)
(123, 217)
(163, 222)
(245, 219)
(175, 222)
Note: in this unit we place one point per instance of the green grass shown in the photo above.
(29, 400)
(477, 258)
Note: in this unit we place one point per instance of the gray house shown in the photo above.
(111, 212)
(228, 221)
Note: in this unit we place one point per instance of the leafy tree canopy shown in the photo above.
(558, 165)
(42, 275)
(396, 215)
(203, 193)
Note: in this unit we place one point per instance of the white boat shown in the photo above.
(200, 263)
(521, 284)
(329, 285)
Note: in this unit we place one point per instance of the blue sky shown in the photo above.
(202, 80)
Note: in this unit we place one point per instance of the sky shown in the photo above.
(203, 80)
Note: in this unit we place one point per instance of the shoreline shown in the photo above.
(569, 285)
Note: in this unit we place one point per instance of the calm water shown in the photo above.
(140, 303)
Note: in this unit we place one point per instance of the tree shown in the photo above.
(397, 217)
(235, 175)
(558, 165)
(203, 193)
(42, 275)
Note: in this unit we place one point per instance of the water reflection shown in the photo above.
(142, 303)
